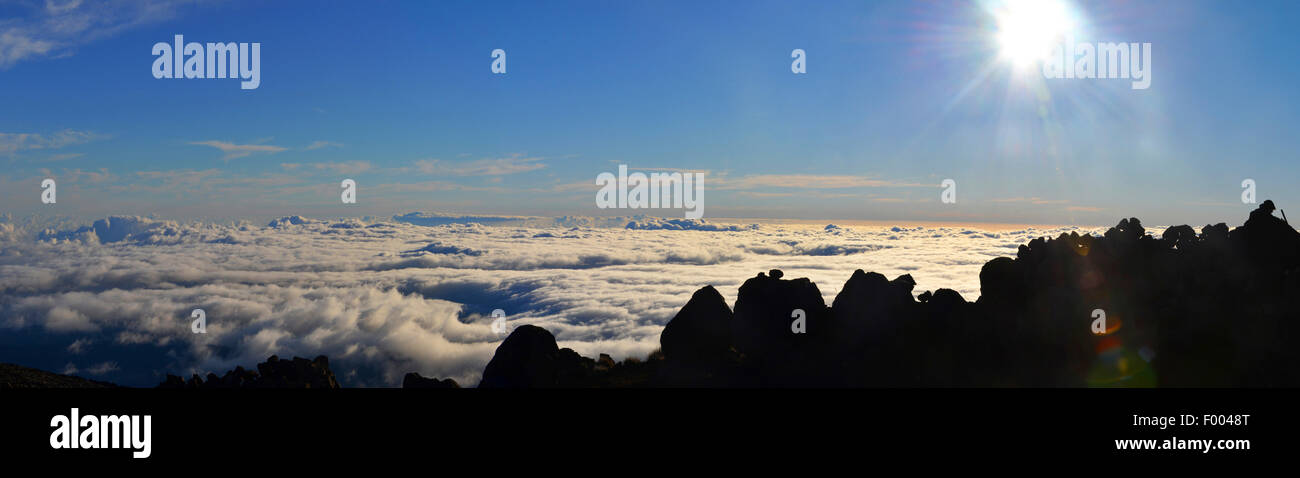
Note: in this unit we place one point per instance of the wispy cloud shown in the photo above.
(758, 194)
(322, 144)
(429, 186)
(81, 176)
(233, 150)
(79, 346)
(185, 179)
(669, 170)
(341, 167)
(1029, 200)
(766, 185)
(103, 368)
(344, 167)
(59, 26)
(11, 143)
(480, 167)
(804, 181)
(64, 156)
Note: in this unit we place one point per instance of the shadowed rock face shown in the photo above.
(273, 373)
(1216, 309)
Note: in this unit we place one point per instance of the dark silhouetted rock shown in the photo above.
(1181, 237)
(696, 343)
(762, 329)
(414, 380)
(1001, 281)
(529, 358)
(1214, 309)
(273, 373)
(605, 363)
(701, 331)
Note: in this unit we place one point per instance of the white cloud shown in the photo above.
(62, 25)
(16, 142)
(804, 181)
(480, 167)
(233, 150)
(79, 346)
(344, 167)
(322, 144)
(103, 368)
(667, 224)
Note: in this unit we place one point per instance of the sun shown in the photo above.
(1027, 30)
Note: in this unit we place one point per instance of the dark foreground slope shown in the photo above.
(1216, 309)
(16, 376)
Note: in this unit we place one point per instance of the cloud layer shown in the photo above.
(382, 298)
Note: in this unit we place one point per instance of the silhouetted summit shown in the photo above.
(1216, 309)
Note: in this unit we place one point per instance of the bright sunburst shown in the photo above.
(1028, 29)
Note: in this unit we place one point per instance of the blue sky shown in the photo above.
(400, 97)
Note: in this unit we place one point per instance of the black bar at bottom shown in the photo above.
(364, 426)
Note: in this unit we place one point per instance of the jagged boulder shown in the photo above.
(1217, 233)
(527, 358)
(701, 331)
(870, 308)
(1182, 237)
(1128, 230)
(296, 373)
(605, 363)
(1000, 281)
(766, 329)
(697, 343)
(530, 358)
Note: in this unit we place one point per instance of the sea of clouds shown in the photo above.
(413, 293)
